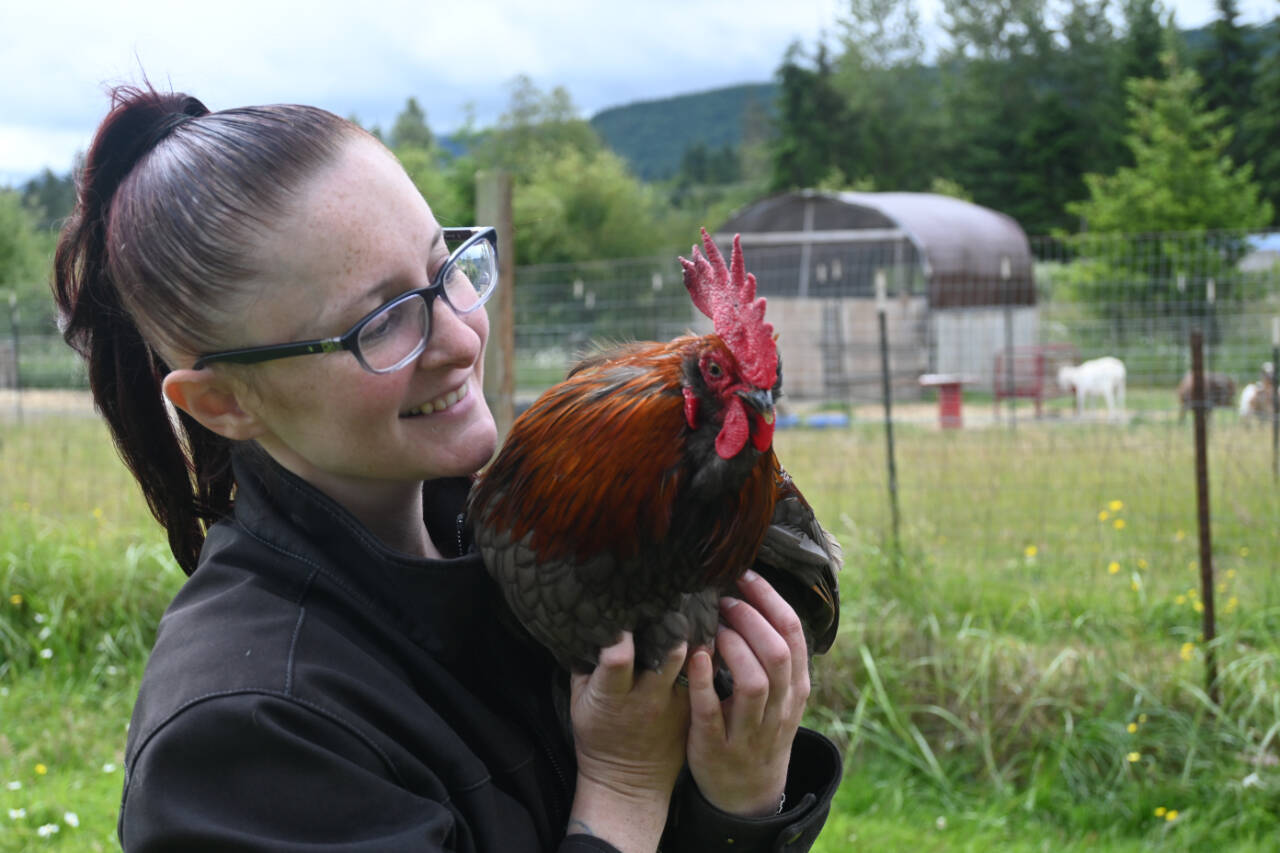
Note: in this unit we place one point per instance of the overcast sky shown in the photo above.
(365, 57)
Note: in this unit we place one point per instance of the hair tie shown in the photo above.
(163, 128)
(132, 121)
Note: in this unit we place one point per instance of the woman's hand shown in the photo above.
(629, 732)
(739, 749)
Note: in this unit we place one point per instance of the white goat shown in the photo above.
(1103, 376)
(1247, 393)
(1257, 400)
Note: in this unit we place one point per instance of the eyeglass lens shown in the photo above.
(394, 335)
(399, 333)
(470, 277)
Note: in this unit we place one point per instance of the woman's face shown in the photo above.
(358, 235)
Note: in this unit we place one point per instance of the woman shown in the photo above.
(337, 674)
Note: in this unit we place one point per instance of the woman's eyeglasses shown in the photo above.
(394, 335)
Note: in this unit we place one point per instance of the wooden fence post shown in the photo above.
(493, 207)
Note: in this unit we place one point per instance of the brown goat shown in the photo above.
(1219, 388)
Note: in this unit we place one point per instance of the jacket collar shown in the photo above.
(432, 601)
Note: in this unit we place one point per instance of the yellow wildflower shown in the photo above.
(1116, 506)
(41, 769)
(1160, 810)
(1133, 727)
(1134, 757)
(1180, 535)
(1188, 650)
(15, 599)
(1142, 564)
(1142, 718)
(1171, 815)
(97, 513)
(1231, 574)
(1118, 524)
(1113, 567)
(1030, 551)
(1232, 604)
(1135, 585)
(1244, 551)
(1182, 599)
(1222, 587)
(1104, 515)
(1198, 606)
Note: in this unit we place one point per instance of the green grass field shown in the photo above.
(1025, 673)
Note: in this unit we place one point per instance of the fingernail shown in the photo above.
(728, 601)
(750, 576)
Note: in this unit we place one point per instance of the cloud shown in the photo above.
(367, 58)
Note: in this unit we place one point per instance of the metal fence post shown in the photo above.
(886, 386)
(1200, 408)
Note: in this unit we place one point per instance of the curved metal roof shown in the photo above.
(967, 254)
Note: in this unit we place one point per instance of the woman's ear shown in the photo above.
(213, 401)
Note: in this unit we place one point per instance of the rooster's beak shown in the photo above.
(761, 401)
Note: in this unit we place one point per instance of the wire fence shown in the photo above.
(975, 365)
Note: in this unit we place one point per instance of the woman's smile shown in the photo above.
(441, 403)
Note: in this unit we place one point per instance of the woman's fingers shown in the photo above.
(704, 704)
(613, 675)
(669, 673)
(779, 613)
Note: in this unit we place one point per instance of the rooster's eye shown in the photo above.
(713, 370)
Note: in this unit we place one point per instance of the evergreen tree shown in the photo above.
(50, 198)
(1227, 70)
(26, 258)
(410, 128)
(1182, 178)
(1262, 122)
(1075, 120)
(814, 131)
(1143, 39)
(999, 64)
(891, 96)
(1181, 181)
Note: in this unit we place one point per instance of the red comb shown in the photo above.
(728, 297)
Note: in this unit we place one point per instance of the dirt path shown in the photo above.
(38, 402)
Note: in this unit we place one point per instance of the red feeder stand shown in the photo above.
(949, 397)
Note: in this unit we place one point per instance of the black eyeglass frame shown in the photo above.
(347, 340)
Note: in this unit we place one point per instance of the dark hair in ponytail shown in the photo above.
(154, 259)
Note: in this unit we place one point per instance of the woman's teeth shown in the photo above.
(440, 403)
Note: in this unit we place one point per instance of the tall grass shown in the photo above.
(1029, 667)
(1023, 674)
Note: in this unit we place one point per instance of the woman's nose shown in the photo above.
(456, 339)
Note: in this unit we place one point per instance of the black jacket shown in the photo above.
(311, 689)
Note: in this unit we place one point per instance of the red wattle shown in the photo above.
(764, 433)
(734, 432)
(690, 408)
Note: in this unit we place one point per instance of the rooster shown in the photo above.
(632, 495)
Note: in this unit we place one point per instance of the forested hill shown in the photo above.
(653, 135)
